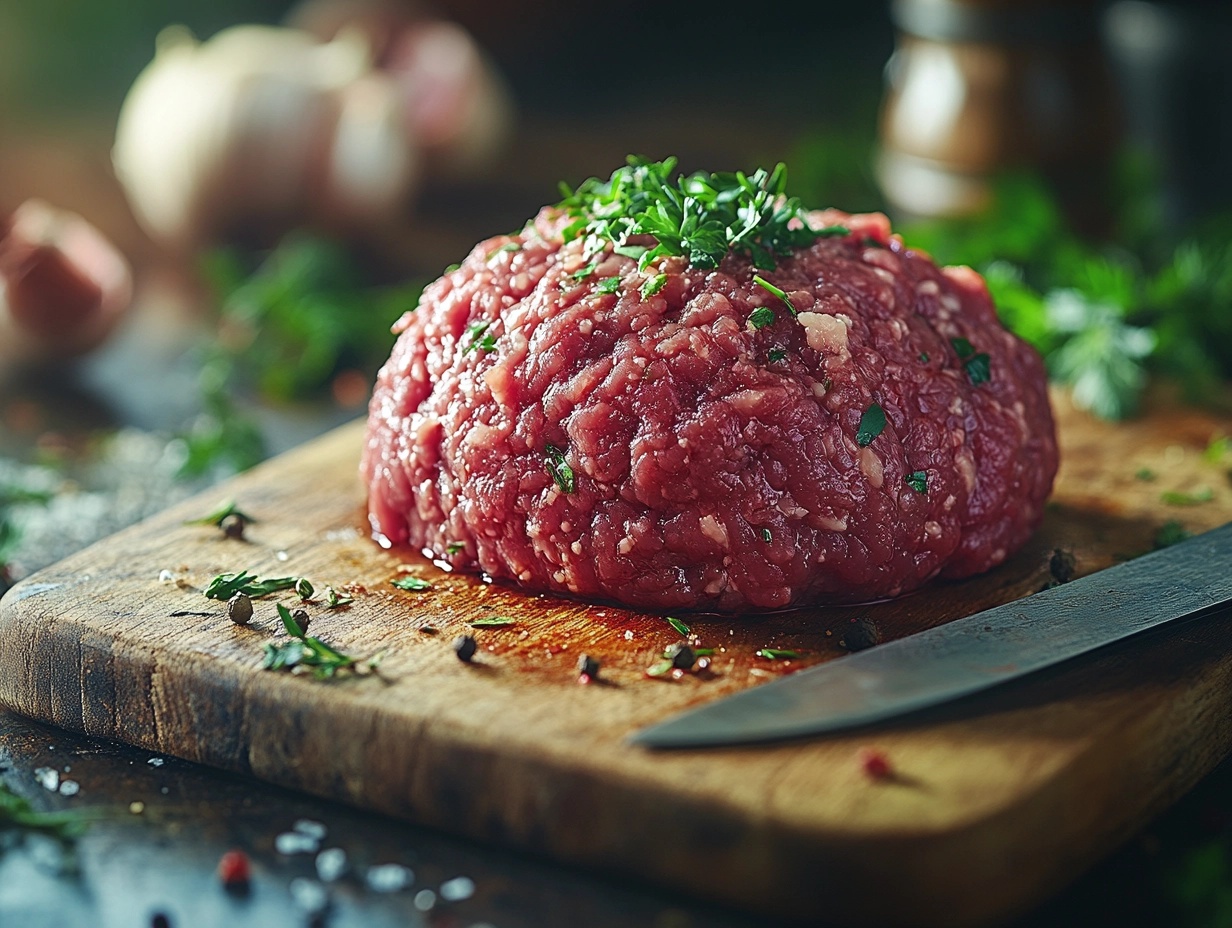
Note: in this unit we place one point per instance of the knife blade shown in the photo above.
(1186, 581)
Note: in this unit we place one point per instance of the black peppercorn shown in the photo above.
(233, 525)
(588, 667)
(465, 647)
(681, 656)
(861, 634)
(239, 608)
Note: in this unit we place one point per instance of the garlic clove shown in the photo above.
(63, 285)
(372, 166)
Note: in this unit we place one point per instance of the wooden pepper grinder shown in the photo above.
(976, 87)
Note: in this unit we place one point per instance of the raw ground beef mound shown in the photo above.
(714, 464)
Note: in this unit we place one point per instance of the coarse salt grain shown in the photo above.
(457, 889)
(389, 878)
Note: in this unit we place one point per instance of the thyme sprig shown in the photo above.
(702, 216)
(224, 586)
(310, 653)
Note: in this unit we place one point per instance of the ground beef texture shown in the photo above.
(709, 463)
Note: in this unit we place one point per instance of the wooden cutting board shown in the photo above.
(993, 804)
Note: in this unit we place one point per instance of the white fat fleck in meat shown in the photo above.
(716, 586)
(872, 468)
(832, 524)
(932, 529)
(927, 288)
(625, 545)
(481, 435)
(586, 326)
(576, 547)
(965, 462)
(825, 332)
(713, 529)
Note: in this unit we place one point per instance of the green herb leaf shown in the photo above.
(17, 813)
(777, 654)
(508, 246)
(1145, 474)
(978, 368)
(1170, 533)
(216, 516)
(288, 622)
(1176, 498)
(766, 536)
(660, 668)
(609, 285)
(781, 294)
(761, 317)
(653, 285)
(454, 547)
(336, 600)
(478, 338)
(774, 355)
(494, 622)
(584, 272)
(411, 583)
(871, 425)
(962, 347)
(917, 480)
(560, 470)
(679, 626)
(224, 586)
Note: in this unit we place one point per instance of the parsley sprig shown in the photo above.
(701, 216)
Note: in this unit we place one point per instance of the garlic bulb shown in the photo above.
(260, 129)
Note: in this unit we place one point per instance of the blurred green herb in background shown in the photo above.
(299, 322)
(1104, 313)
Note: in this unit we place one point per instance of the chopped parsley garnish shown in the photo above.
(777, 654)
(508, 246)
(631, 251)
(917, 480)
(412, 584)
(653, 285)
(766, 536)
(976, 365)
(761, 317)
(871, 425)
(583, 272)
(776, 354)
(1170, 533)
(494, 622)
(1145, 474)
(679, 626)
(450, 269)
(702, 216)
(480, 337)
(609, 285)
(560, 470)
(219, 513)
(224, 586)
(978, 369)
(1175, 498)
(336, 600)
(924, 356)
(455, 547)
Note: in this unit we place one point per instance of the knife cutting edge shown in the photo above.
(1188, 580)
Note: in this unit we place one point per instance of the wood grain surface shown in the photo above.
(994, 802)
